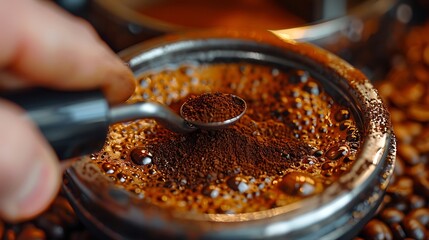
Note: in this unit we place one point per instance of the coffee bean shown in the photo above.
(422, 141)
(415, 229)
(416, 171)
(422, 144)
(399, 203)
(408, 153)
(391, 215)
(422, 185)
(419, 113)
(410, 93)
(30, 232)
(402, 188)
(416, 201)
(406, 131)
(421, 215)
(386, 89)
(52, 225)
(398, 231)
(376, 229)
(63, 209)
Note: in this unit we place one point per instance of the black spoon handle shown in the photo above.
(74, 123)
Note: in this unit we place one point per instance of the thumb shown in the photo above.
(29, 171)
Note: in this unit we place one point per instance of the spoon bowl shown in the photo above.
(213, 111)
(172, 121)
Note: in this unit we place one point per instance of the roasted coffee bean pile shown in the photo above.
(212, 108)
(59, 221)
(405, 210)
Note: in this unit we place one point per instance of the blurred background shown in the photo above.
(363, 32)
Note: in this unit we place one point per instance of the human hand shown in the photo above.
(42, 45)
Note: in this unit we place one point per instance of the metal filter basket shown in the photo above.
(340, 211)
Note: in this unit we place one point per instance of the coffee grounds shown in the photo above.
(212, 107)
(205, 156)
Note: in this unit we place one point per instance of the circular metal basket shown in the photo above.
(340, 211)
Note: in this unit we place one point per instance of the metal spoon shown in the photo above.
(77, 123)
(159, 112)
(167, 118)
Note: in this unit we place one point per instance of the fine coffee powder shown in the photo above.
(212, 107)
(292, 142)
(203, 157)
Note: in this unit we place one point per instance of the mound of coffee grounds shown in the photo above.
(58, 221)
(212, 107)
(204, 156)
